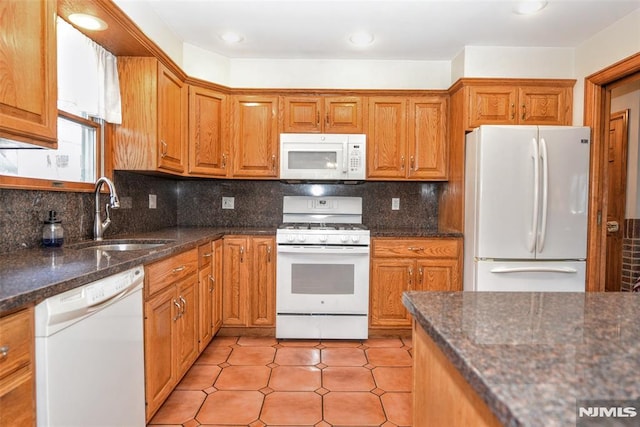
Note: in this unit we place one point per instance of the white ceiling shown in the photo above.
(403, 29)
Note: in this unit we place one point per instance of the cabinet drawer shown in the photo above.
(16, 339)
(205, 255)
(416, 248)
(163, 273)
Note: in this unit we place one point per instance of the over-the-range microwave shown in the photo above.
(323, 156)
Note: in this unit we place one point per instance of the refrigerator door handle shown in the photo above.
(533, 270)
(545, 194)
(533, 232)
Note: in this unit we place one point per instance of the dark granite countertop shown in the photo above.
(533, 356)
(31, 275)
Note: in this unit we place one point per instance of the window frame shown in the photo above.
(25, 183)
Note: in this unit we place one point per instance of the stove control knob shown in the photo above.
(344, 239)
(302, 238)
(323, 238)
(290, 237)
(355, 239)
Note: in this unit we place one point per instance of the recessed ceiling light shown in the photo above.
(361, 38)
(88, 22)
(529, 7)
(231, 37)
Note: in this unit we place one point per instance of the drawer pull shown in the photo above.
(415, 248)
(207, 255)
(178, 269)
(4, 352)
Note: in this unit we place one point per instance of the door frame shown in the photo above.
(597, 103)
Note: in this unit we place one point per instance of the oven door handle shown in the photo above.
(319, 250)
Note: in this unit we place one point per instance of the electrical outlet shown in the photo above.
(153, 201)
(228, 203)
(395, 204)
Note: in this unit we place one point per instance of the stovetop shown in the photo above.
(321, 226)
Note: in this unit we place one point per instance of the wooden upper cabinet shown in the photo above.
(520, 104)
(153, 133)
(255, 136)
(208, 132)
(387, 137)
(328, 114)
(407, 137)
(28, 77)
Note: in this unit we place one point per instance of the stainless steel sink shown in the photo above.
(121, 245)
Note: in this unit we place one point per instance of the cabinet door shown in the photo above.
(428, 138)
(492, 105)
(387, 137)
(438, 275)
(544, 106)
(302, 114)
(262, 288)
(255, 136)
(343, 114)
(234, 282)
(17, 399)
(187, 331)
(216, 316)
(389, 279)
(172, 108)
(208, 150)
(28, 78)
(205, 287)
(160, 315)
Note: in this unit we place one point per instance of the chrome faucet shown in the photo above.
(114, 203)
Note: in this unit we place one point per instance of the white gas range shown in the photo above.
(322, 289)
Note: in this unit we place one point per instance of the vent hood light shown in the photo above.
(88, 22)
(529, 7)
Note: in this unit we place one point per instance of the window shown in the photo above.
(87, 88)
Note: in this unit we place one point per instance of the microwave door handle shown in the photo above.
(345, 157)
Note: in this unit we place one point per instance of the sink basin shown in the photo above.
(121, 245)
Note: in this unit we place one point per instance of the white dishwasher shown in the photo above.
(90, 355)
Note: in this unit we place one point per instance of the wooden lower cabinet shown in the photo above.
(210, 291)
(170, 325)
(399, 265)
(441, 396)
(17, 381)
(249, 270)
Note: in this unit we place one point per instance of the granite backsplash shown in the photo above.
(191, 202)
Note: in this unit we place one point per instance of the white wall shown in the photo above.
(622, 98)
(206, 65)
(609, 46)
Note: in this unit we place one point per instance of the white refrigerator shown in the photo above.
(526, 194)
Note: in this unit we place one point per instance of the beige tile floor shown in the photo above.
(259, 382)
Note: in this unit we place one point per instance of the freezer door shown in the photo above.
(504, 191)
(536, 276)
(562, 233)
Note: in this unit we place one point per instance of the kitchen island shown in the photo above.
(523, 359)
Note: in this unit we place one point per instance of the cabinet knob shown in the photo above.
(4, 352)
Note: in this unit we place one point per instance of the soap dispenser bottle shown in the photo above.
(52, 231)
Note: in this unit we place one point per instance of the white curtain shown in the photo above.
(87, 76)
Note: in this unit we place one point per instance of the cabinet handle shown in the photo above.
(415, 248)
(513, 111)
(241, 253)
(207, 255)
(163, 151)
(212, 283)
(413, 161)
(524, 111)
(410, 284)
(273, 162)
(4, 352)
(269, 254)
(179, 313)
(184, 304)
(402, 162)
(420, 275)
(224, 160)
(178, 269)
(327, 119)
(318, 118)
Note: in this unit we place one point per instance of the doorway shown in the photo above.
(597, 115)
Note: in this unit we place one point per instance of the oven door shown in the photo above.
(322, 280)
(313, 161)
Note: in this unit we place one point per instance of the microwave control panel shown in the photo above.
(356, 157)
